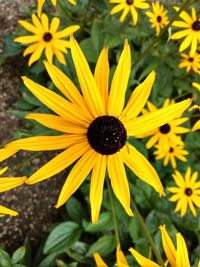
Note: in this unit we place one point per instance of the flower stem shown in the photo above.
(147, 233)
(159, 37)
(113, 212)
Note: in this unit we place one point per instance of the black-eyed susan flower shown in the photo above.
(187, 192)
(166, 133)
(190, 62)
(54, 2)
(45, 38)
(127, 6)
(190, 32)
(120, 259)
(177, 257)
(171, 153)
(158, 17)
(7, 183)
(95, 127)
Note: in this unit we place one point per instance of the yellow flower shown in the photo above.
(7, 183)
(128, 6)
(46, 38)
(170, 153)
(158, 17)
(190, 32)
(95, 127)
(176, 257)
(167, 133)
(121, 259)
(190, 62)
(54, 2)
(187, 192)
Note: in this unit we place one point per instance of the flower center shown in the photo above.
(159, 18)
(190, 59)
(165, 129)
(47, 36)
(188, 191)
(106, 135)
(196, 25)
(171, 150)
(129, 2)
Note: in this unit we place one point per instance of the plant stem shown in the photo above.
(113, 212)
(159, 37)
(147, 233)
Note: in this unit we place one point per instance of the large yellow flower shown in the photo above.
(187, 192)
(158, 17)
(46, 38)
(95, 127)
(54, 2)
(191, 30)
(190, 62)
(7, 183)
(176, 257)
(128, 6)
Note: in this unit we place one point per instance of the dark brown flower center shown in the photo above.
(188, 191)
(106, 135)
(159, 18)
(171, 150)
(129, 2)
(190, 59)
(196, 25)
(165, 129)
(47, 36)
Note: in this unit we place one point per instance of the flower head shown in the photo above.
(95, 127)
(190, 62)
(128, 6)
(190, 32)
(158, 17)
(7, 183)
(46, 38)
(187, 192)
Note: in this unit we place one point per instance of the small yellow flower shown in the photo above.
(158, 17)
(187, 192)
(166, 133)
(45, 38)
(190, 32)
(7, 183)
(190, 62)
(128, 6)
(120, 257)
(169, 154)
(176, 257)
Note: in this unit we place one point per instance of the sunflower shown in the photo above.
(187, 192)
(191, 30)
(176, 257)
(190, 62)
(95, 127)
(121, 259)
(166, 133)
(54, 2)
(46, 38)
(7, 183)
(158, 17)
(128, 6)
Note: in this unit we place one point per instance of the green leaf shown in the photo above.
(104, 222)
(5, 260)
(19, 254)
(74, 209)
(62, 237)
(97, 37)
(89, 50)
(104, 246)
(49, 261)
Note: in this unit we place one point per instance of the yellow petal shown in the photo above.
(59, 55)
(196, 85)
(29, 27)
(67, 31)
(134, 14)
(143, 262)
(49, 52)
(196, 126)
(124, 13)
(3, 170)
(54, 25)
(98, 260)
(117, 8)
(7, 183)
(6, 211)
(36, 21)
(27, 39)
(37, 54)
(30, 49)
(45, 22)
(182, 259)
(40, 6)
(121, 259)
(6, 153)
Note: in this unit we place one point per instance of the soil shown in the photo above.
(34, 203)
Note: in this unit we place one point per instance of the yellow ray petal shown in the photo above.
(141, 167)
(40, 6)
(37, 22)
(29, 27)
(138, 98)
(30, 49)
(27, 39)
(49, 52)
(124, 13)
(119, 182)
(37, 53)
(117, 8)
(67, 31)
(101, 75)
(121, 259)
(196, 126)
(144, 262)
(156, 119)
(56, 123)
(87, 82)
(182, 259)
(196, 85)
(134, 14)
(7, 183)
(77, 175)
(6, 153)
(58, 104)
(6, 211)
(96, 186)
(54, 25)
(120, 82)
(59, 163)
(45, 22)
(59, 55)
(98, 260)
(3, 170)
